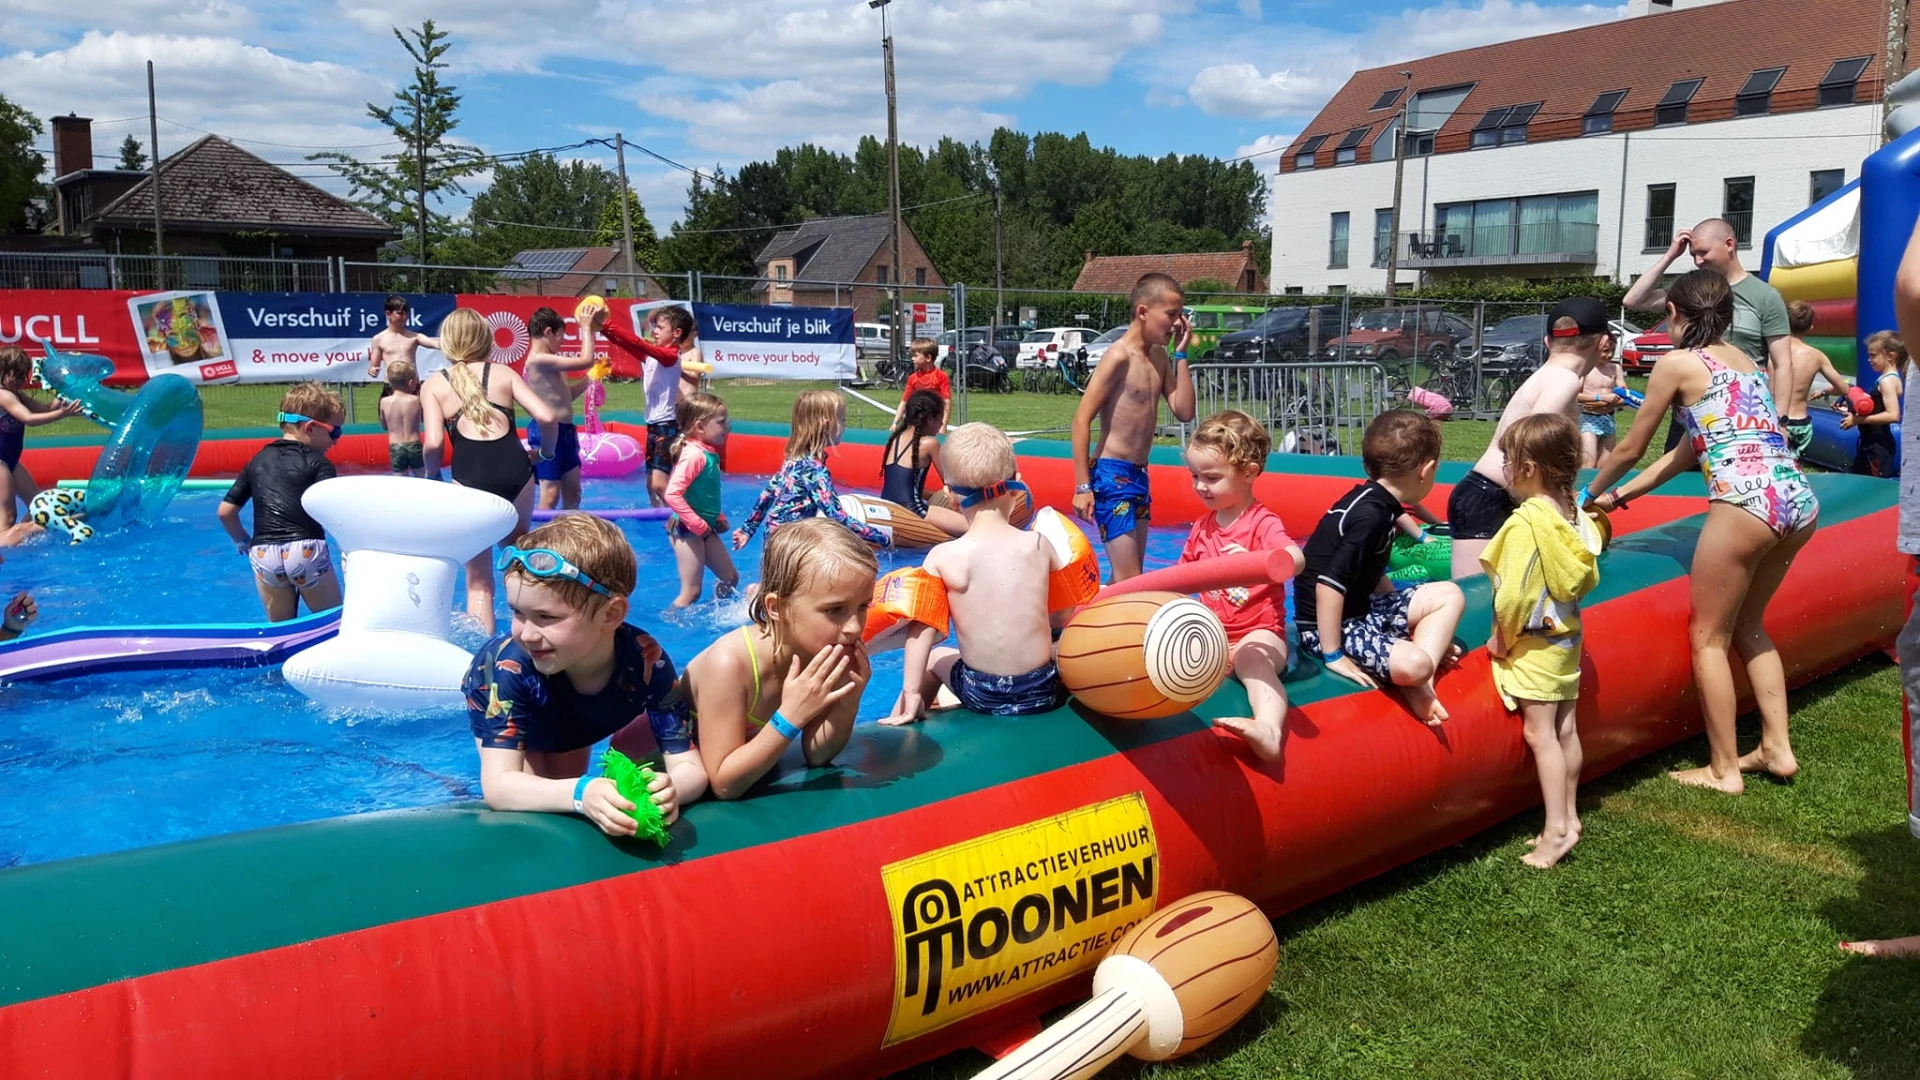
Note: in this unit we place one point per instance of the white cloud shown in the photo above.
(1244, 90)
(1265, 145)
(200, 15)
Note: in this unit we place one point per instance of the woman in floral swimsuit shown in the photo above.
(1760, 513)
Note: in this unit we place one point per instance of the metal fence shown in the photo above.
(1307, 408)
(65, 270)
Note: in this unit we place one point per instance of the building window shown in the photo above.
(1382, 235)
(1842, 80)
(1756, 97)
(1429, 110)
(1386, 100)
(1336, 290)
(1673, 107)
(1349, 149)
(1503, 127)
(1737, 208)
(1534, 225)
(1303, 160)
(1419, 143)
(1296, 290)
(920, 276)
(1337, 241)
(1383, 148)
(1659, 216)
(1825, 182)
(1599, 118)
(880, 274)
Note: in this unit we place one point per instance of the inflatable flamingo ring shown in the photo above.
(603, 453)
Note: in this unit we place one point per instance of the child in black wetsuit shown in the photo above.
(1878, 453)
(912, 450)
(287, 548)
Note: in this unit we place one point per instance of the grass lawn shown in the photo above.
(1689, 935)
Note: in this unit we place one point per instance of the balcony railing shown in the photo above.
(1497, 245)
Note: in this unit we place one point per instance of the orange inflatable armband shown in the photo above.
(905, 596)
(1078, 579)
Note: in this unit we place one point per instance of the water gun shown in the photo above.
(1859, 400)
(1633, 399)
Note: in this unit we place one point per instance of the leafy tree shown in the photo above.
(646, 242)
(20, 165)
(539, 202)
(131, 155)
(422, 118)
(715, 237)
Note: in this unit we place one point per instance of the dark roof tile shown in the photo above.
(213, 184)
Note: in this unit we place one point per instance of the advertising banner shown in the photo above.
(776, 342)
(241, 337)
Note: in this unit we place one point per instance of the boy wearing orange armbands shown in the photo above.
(996, 580)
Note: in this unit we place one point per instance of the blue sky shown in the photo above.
(724, 82)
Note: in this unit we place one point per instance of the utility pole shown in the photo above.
(893, 173)
(153, 133)
(420, 189)
(999, 285)
(626, 216)
(1400, 144)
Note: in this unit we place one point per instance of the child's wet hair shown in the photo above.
(15, 364)
(400, 374)
(313, 401)
(1150, 288)
(1399, 442)
(1890, 343)
(693, 410)
(596, 546)
(818, 416)
(802, 555)
(976, 455)
(545, 319)
(1239, 439)
(676, 318)
(1799, 316)
(1704, 302)
(396, 302)
(1549, 443)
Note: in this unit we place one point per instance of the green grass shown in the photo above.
(1689, 935)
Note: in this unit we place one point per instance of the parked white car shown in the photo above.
(1097, 347)
(872, 340)
(1043, 348)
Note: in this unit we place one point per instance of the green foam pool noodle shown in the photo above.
(632, 778)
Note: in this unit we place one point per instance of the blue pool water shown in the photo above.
(110, 762)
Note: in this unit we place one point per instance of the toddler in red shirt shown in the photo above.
(1228, 451)
(926, 375)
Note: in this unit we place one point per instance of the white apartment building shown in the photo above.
(1577, 154)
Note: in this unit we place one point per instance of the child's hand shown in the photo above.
(665, 796)
(20, 614)
(910, 707)
(1083, 505)
(720, 524)
(1182, 333)
(1347, 669)
(739, 539)
(811, 692)
(603, 805)
(70, 408)
(1846, 421)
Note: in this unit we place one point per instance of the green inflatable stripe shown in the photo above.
(1843, 351)
(110, 917)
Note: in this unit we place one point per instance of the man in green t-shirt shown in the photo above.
(1759, 314)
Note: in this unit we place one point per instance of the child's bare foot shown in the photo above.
(1781, 765)
(1454, 653)
(1425, 705)
(722, 590)
(1906, 947)
(1552, 848)
(1575, 830)
(1262, 737)
(1704, 777)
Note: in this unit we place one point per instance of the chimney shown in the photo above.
(72, 144)
(1246, 247)
(1087, 259)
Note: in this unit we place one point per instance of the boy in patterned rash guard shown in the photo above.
(569, 673)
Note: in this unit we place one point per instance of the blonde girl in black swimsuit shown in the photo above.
(470, 404)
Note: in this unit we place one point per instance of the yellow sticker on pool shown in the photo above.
(990, 919)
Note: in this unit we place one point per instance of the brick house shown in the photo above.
(801, 266)
(216, 200)
(574, 272)
(1118, 273)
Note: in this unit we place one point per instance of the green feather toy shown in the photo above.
(1413, 561)
(633, 778)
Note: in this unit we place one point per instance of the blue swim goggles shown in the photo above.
(973, 496)
(546, 563)
(333, 430)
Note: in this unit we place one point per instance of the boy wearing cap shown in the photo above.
(1480, 504)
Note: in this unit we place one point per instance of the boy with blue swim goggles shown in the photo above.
(546, 563)
(333, 430)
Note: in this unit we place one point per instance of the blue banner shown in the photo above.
(776, 342)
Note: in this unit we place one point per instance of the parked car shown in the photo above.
(1211, 321)
(1517, 342)
(1639, 353)
(1282, 334)
(1006, 341)
(1393, 335)
(1041, 348)
(1093, 350)
(872, 340)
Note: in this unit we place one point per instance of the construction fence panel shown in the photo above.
(1307, 408)
(150, 273)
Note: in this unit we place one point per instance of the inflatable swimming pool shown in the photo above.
(932, 888)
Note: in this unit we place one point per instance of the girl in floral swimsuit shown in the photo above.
(1760, 513)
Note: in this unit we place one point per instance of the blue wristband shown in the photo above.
(784, 726)
(1333, 657)
(579, 794)
(1181, 355)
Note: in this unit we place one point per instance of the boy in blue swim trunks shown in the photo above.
(996, 582)
(546, 375)
(569, 673)
(1110, 483)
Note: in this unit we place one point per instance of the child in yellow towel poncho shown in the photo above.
(1540, 563)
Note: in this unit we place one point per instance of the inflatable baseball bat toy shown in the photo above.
(1171, 986)
(1223, 572)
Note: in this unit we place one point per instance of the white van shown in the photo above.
(872, 340)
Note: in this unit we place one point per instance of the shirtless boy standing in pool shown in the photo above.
(1110, 484)
(396, 342)
(546, 374)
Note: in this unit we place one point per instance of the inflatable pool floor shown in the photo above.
(932, 887)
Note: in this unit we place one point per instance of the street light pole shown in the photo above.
(1400, 143)
(893, 176)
